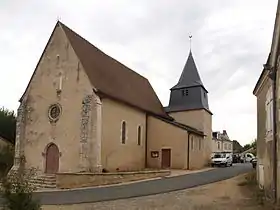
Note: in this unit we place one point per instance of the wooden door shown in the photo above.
(165, 158)
(52, 159)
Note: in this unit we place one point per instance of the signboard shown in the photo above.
(154, 154)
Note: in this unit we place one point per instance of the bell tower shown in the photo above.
(188, 103)
(189, 93)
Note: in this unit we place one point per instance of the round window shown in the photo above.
(54, 112)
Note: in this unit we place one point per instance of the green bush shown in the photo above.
(16, 191)
(8, 124)
(250, 179)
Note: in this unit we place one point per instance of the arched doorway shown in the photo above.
(52, 159)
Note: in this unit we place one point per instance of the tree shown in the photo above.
(237, 147)
(6, 159)
(254, 143)
(7, 124)
(17, 192)
(246, 147)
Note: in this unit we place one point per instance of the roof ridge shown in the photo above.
(65, 26)
(112, 78)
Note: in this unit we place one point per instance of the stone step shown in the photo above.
(45, 181)
(48, 176)
(40, 187)
(46, 187)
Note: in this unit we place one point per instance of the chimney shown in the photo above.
(224, 132)
(215, 135)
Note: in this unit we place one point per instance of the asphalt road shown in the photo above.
(151, 187)
(144, 188)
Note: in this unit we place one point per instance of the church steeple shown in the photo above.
(190, 76)
(189, 93)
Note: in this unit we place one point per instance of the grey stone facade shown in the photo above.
(19, 142)
(90, 141)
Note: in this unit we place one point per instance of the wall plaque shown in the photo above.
(154, 154)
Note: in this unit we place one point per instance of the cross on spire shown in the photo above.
(190, 36)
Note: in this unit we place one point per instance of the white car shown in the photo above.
(221, 159)
(247, 157)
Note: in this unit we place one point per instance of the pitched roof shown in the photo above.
(113, 79)
(261, 76)
(274, 50)
(183, 126)
(190, 76)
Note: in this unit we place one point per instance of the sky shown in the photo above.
(231, 41)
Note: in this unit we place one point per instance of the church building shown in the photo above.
(84, 111)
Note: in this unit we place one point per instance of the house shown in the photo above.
(221, 142)
(84, 111)
(267, 93)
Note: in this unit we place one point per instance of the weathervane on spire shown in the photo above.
(190, 36)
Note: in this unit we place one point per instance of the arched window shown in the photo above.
(218, 145)
(139, 135)
(123, 132)
(192, 143)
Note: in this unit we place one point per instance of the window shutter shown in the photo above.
(267, 109)
(268, 118)
(271, 115)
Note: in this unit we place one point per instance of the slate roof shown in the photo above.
(190, 76)
(189, 93)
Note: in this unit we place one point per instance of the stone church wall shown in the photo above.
(59, 79)
(201, 120)
(115, 154)
(162, 135)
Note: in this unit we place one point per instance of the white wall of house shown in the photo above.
(221, 146)
(221, 142)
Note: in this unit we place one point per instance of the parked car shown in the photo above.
(221, 159)
(247, 157)
(236, 158)
(254, 162)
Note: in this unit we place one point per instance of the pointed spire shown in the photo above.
(190, 76)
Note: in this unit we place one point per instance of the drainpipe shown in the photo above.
(273, 77)
(274, 135)
(146, 143)
(188, 152)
